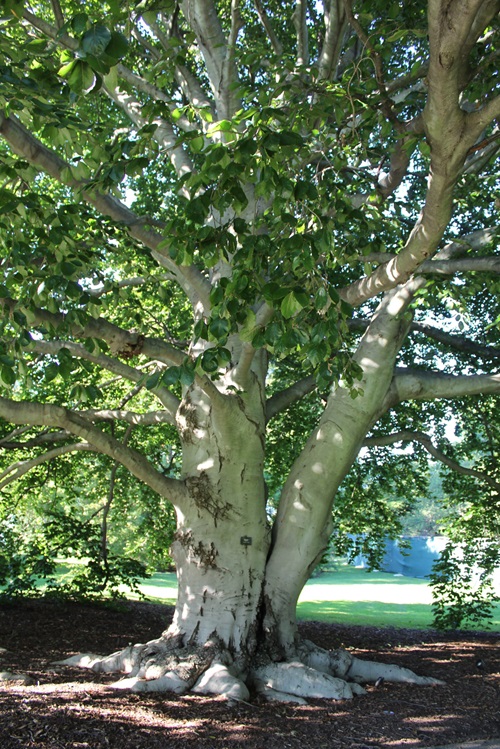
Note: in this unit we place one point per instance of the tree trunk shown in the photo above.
(234, 626)
(222, 537)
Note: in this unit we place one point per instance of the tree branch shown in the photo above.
(153, 92)
(266, 22)
(420, 245)
(450, 131)
(58, 14)
(8, 443)
(299, 18)
(335, 29)
(135, 419)
(121, 342)
(414, 385)
(20, 468)
(107, 506)
(458, 343)
(205, 23)
(425, 441)
(124, 371)
(164, 134)
(28, 147)
(428, 226)
(482, 118)
(464, 265)
(37, 414)
(263, 315)
(400, 161)
(285, 398)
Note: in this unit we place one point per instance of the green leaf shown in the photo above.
(273, 291)
(210, 361)
(79, 22)
(397, 35)
(186, 376)
(12, 9)
(292, 304)
(171, 376)
(7, 375)
(117, 46)
(424, 148)
(289, 138)
(248, 329)
(66, 69)
(51, 372)
(219, 328)
(80, 77)
(196, 144)
(200, 329)
(153, 380)
(321, 298)
(224, 126)
(95, 40)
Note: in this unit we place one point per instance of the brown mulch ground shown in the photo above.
(68, 707)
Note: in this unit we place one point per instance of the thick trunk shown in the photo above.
(234, 624)
(222, 537)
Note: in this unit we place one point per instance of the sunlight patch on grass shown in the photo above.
(347, 596)
(162, 586)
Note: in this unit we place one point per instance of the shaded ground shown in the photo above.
(71, 708)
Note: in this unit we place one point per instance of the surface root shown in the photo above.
(165, 665)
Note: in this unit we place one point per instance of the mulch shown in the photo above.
(67, 707)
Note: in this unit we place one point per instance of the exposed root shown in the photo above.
(370, 671)
(344, 665)
(219, 680)
(295, 678)
(23, 679)
(165, 665)
(272, 695)
(169, 682)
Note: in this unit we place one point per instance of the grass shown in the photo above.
(346, 596)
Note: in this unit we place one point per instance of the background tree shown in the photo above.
(211, 210)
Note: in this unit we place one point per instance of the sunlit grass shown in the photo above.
(347, 596)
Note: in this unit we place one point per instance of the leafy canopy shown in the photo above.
(181, 183)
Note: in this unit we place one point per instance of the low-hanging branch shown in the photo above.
(409, 436)
(16, 470)
(38, 414)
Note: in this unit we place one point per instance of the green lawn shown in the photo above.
(347, 596)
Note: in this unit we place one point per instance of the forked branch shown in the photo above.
(17, 470)
(425, 441)
(38, 414)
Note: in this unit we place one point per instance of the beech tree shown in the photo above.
(214, 213)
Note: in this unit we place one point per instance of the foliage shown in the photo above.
(187, 203)
(462, 586)
(30, 561)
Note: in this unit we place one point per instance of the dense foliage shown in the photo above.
(157, 228)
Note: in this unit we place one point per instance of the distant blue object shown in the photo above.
(416, 561)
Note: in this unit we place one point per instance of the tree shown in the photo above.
(213, 212)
